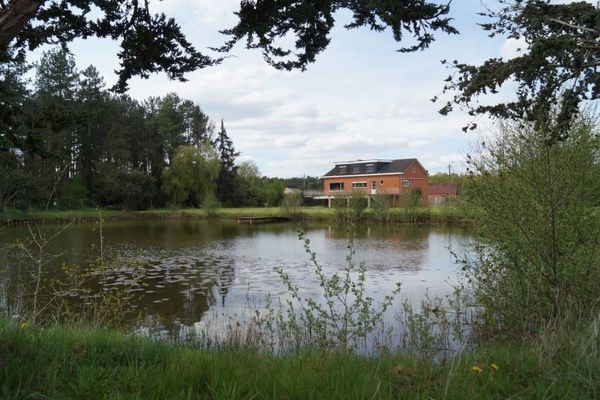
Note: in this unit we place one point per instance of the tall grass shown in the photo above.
(72, 362)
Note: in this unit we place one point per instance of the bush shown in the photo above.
(351, 207)
(380, 207)
(211, 206)
(290, 206)
(538, 259)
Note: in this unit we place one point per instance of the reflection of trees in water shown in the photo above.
(186, 289)
(407, 247)
(185, 268)
(390, 232)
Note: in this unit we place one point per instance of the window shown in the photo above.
(359, 185)
(342, 169)
(370, 168)
(336, 186)
(405, 183)
(355, 169)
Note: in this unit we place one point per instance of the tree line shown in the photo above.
(68, 142)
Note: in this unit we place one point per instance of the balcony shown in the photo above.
(341, 193)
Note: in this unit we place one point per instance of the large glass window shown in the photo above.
(359, 185)
(336, 186)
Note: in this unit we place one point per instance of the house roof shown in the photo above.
(398, 165)
(369, 167)
(443, 188)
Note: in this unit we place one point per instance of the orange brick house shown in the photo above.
(397, 178)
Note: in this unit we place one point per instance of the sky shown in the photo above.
(361, 99)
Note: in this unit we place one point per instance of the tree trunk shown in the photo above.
(14, 18)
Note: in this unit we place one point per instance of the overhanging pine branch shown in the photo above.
(14, 18)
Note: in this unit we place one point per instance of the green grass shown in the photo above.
(415, 215)
(70, 363)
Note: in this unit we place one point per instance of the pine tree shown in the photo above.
(196, 124)
(226, 185)
(54, 135)
(93, 117)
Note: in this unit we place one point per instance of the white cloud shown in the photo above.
(457, 162)
(360, 100)
(512, 48)
(208, 12)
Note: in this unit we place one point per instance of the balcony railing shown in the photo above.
(313, 193)
(335, 193)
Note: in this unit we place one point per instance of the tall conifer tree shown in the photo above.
(226, 187)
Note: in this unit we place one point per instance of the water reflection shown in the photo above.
(184, 272)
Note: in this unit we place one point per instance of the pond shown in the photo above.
(188, 272)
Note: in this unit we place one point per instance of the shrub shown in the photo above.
(537, 262)
(290, 206)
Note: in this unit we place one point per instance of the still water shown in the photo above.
(185, 272)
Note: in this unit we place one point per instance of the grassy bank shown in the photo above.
(62, 362)
(413, 215)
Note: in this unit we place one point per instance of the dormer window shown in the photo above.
(355, 169)
(342, 169)
(370, 168)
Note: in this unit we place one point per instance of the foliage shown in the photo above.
(13, 181)
(291, 206)
(180, 123)
(556, 70)
(416, 197)
(380, 207)
(211, 206)
(149, 42)
(72, 194)
(132, 190)
(358, 203)
(352, 207)
(153, 42)
(537, 264)
(191, 177)
(272, 193)
(71, 140)
(343, 320)
(248, 182)
(263, 24)
(226, 186)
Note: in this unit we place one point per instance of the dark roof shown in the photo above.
(368, 168)
(443, 188)
(397, 166)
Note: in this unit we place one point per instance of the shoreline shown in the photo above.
(450, 215)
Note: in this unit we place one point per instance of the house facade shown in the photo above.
(404, 180)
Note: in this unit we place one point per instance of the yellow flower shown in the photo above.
(24, 325)
(476, 368)
(494, 366)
